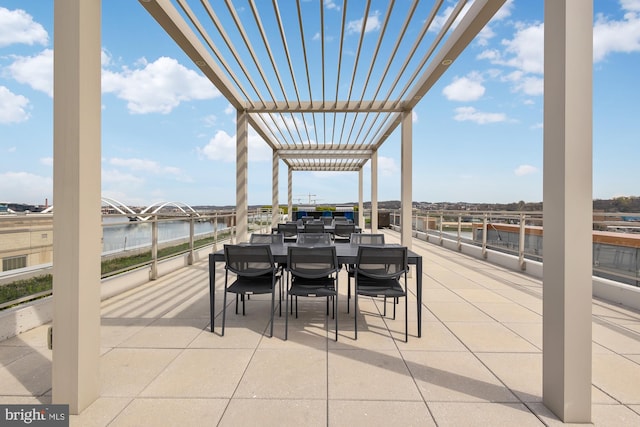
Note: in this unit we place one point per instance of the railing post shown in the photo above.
(191, 255)
(232, 235)
(426, 229)
(215, 232)
(459, 232)
(521, 241)
(441, 223)
(153, 275)
(484, 236)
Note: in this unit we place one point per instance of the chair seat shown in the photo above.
(380, 288)
(252, 285)
(321, 287)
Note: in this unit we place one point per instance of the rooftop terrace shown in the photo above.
(479, 361)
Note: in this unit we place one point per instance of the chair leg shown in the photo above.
(273, 301)
(384, 310)
(335, 307)
(355, 310)
(286, 311)
(224, 312)
(406, 318)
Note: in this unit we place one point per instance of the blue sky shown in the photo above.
(477, 134)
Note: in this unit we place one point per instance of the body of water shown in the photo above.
(118, 236)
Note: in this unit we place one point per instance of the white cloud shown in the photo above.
(387, 166)
(222, 147)
(159, 87)
(331, 4)
(13, 108)
(472, 115)
(35, 71)
(611, 36)
(525, 170)
(25, 187)
(526, 50)
(373, 24)
(47, 161)
(630, 5)
(17, 26)
(465, 89)
(117, 177)
(144, 165)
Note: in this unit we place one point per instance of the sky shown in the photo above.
(168, 134)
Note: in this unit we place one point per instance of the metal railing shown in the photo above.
(616, 241)
(138, 244)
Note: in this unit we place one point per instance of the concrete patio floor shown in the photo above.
(478, 363)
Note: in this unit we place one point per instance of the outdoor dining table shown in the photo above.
(347, 254)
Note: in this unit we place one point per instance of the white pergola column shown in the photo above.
(242, 176)
(567, 277)
(361, 199)
(275, 207)
(406, 200)
(77, 227)
(374, 192)
(290, 193)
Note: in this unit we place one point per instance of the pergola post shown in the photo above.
(77, 222)
(374, 192)
(568, 216)
(290, 193)
(406, 200)
(275, 207)
(361, 198)
(242, 175)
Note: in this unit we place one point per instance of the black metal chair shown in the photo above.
(360, 239)
(377, 273)
(342, 232)
(289, 231)
(326, 220)
(256, 273)
(310, 239)
(314, 227)
(312, 272)
(266, 239)
(271, 239)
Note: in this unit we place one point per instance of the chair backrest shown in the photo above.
(314, 239)
(312, 262)
(382, 262)
(326, 220)
(313, 227)
(288, 229)
(340, 219)
(249, 260)
(367, 239)
(267, 239)
(306, 219)
(344, 230)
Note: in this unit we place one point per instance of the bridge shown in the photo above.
(143, 215)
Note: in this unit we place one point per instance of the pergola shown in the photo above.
(326, 109)
(266, 65)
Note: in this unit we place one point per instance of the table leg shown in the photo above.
(212, 289)
(419, 294)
